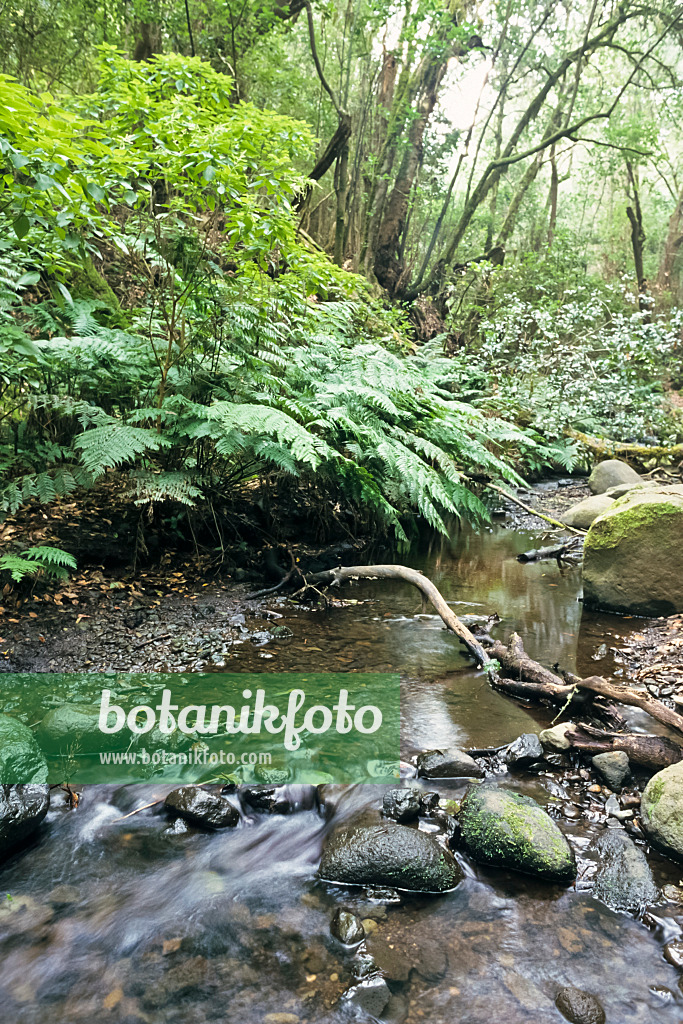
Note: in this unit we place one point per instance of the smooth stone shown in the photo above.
(673, 952)
(612, 473)
(447, 764)
(347, 927)
(200, 807)
(370, 996)
(21, 759)
(585, 512)
(525, 750)
(579, 1007)
(403, 805)
(22, 808)
(661, 809)
(633, 556)
(77, 725)
(621, 489)
(613, 766)
(623, 881)
(501, 827)
(556, 737)
(389, 855)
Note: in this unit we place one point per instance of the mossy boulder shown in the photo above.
(661, 810)
(77, 727)
(633, 555)
(611, 473)
(392, 855)
(510, 830)
(21, 760)
(585, 512)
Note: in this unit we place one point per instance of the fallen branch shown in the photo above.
(137, 810)
(653, 752)
(533, 512)
(603, 448)
(555, 551)
(335, 578)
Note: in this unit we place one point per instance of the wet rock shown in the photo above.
(661, 809)
(623, 881)
(347, 927)
(76, 725)
(632, 556)
(611, 473)
(556, 738)
(199, 807)
(389, 855)
(22, 808)
(64, 895)
(402, 805)
(447, 764)
(613, 766)
(21, 760)
(579, 1007)
(585, 512)
(370, 996)
(673, 952)
(399, 950)
(505, 828)
(190, 976)
(525, 750)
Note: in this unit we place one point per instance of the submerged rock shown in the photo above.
(21, 760)
(22, 808)
(613, 766)
(525, 750)
(347, 927)
(509, 830)
(447, 764)
(579, 1007)
(402, 804)
(661, 809)
(585, 512)
(623, 880)
(76, 725)
(389, 855)
(200, 807)
(611, 473)
(370, 996)
(633, 556)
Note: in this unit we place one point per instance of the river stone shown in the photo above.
(613, 766)
(347, 927)
(556, 737)
(581, 515)
(505, 828)
(622, 489)
(21, 760)
(623, 880)
(525, 750)
(633, 556)
(370, 996)
(402, 805)
(200, 807)
(447, 764)
(389, 855)
(661, 809)
(77, 725)
(610, 474)
(579, 1007)
(22, 808)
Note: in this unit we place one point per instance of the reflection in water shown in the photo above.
(118, 917)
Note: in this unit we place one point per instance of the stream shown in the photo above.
(134, 921)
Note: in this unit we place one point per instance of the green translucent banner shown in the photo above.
(232, 727)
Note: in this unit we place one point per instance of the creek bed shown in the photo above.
(127, 920)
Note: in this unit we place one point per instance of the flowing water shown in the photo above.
(127, 920)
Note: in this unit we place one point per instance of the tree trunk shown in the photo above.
(635, 216)
(674, 240)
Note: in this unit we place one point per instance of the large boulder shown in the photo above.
(505, 828)
(76, 725)
(633, 556)
(623, 880)
(611, 473)
(22, 808)
(661, 809)
(389, 855)
(613, 766)
(585, 512)
(21, 760)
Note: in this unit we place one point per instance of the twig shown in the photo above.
(152, 640)
(137, 811)
(532, 511)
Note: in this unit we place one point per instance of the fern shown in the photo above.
(115, 444)
(52, 563)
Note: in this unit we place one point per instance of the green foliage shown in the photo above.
(52, 563)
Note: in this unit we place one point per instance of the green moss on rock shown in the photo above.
(505, 828)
